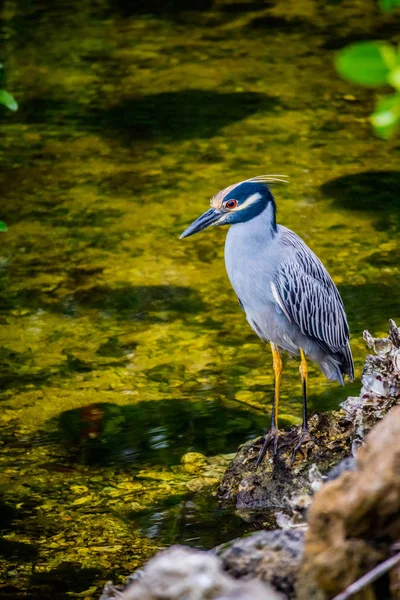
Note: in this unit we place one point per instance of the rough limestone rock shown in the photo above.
(271, 556)
(182, 573)
(380, 384)
(338, 434)
(354, 520)
(270, 484)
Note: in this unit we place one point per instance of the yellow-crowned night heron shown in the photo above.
(284, 289)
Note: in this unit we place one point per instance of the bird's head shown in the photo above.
(238, 203)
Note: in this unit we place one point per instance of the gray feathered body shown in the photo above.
(287, 294)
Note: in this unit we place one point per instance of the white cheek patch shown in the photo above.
(221, 220)
(249, 201)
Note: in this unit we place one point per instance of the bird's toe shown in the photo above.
(270, 439)
(304, 438)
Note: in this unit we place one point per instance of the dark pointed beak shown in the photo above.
(208, 218)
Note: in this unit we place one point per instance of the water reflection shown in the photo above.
(158, 432)
(195, 520)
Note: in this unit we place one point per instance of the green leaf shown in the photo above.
(388, 5)
(386, 117)
(3, 226)
(394, 78)
(7, 100)
(367, 63)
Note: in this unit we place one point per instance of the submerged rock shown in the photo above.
(182, 573)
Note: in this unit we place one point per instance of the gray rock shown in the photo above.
(182, 573)
(347, 464)
(271, 556)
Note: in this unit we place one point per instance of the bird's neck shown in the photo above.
(261, 228)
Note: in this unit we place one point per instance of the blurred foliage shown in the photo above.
(388, 5)
(6, 99)
(375, 64)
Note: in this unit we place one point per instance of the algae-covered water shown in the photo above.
(123, 349)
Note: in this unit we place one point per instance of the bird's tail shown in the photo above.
(338, 364)
(347, 362)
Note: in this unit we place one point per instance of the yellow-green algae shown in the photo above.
(132, 114)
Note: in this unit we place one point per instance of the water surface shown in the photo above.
(123, 348)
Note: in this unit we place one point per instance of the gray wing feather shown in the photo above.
(308, 296)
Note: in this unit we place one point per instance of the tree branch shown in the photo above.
(369, 577)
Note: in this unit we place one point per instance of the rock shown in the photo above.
(380, 383)
(271, 556)
(354, 520)
(193, 462)
(347, 464)
(338, 435)
(271, 483)
(182, 573)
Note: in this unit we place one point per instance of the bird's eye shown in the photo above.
(231, 204)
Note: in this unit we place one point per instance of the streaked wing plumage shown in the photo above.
(309, 298)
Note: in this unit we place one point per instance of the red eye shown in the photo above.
(231, 204)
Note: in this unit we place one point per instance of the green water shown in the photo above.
(123, 348)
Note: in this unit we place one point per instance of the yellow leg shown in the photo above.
(271, 438)
(277, 365)
(304, 377)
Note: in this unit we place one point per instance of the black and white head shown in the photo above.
(239, 203)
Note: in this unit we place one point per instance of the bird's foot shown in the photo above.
(270, 439)
(304, 437)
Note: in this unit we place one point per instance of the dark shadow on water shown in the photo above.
(128, 8)
(18, 551)
(12, 551)
(382, 31)
(384, 258)
(122, 302)
(7, 515)
(66, 578)
(153, 432)
(244, 7)
(180, 115)
(128, 301)
(272, 24)
(375, 192)
(370, 306)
